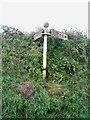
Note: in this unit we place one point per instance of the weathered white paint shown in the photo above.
(58, 34)
(44, 51)
(37, 35)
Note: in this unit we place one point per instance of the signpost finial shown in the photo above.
(46, 24)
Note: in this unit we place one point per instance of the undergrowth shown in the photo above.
(67, 70)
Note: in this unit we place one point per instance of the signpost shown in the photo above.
(45, 50)
(52, 32)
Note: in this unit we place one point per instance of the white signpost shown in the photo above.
(52, 32)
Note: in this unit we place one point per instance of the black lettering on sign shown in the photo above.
(58, 34)
(37, 35)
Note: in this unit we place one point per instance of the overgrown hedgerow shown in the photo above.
(64, 93)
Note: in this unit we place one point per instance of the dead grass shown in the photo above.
(26, 89)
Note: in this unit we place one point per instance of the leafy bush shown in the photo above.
(67, 67)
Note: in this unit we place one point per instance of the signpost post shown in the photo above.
(52, 32)
(46, 25)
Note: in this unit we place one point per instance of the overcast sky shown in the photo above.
(61, 15)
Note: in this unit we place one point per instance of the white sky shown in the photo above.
(28, 15)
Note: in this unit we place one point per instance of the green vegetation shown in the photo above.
(63, 94)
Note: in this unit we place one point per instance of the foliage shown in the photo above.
(67, 66)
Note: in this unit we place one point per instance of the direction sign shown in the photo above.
(38, 35)
(58, 34)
